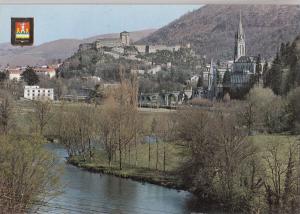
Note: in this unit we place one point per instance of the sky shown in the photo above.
(52, 22)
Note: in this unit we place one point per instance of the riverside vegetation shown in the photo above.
(240, 155)
(28, 173)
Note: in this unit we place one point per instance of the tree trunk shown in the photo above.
(156, 164)
(164, 161)
(136, 153)
(90, 149)
(120, 156)
(129, 153)
(149, 153)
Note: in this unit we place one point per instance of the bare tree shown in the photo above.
(125, 97)
(42, 113)
(281, 183)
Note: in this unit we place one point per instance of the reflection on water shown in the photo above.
(86, 192)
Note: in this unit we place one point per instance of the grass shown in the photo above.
(141, 171)
(175, 154)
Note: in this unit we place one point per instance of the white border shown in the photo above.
(183, 2)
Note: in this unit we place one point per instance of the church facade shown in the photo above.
(244, 67)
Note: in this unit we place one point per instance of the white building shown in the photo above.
(194, 79)
(37, 93)
(154, 70)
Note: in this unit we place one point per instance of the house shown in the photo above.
(194, 79)
(154, 69)
(37, 93)
(45, 71)
(14, 73)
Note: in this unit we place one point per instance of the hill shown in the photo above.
(211, 29)
(47, 52)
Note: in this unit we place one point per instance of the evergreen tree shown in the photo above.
(2, 76)
(226, 78)
(282, 52)
(275, 76)
(265, 75)
(218, 76)
(258, 69)
(30, 77)
(293, 74)
(200, 82)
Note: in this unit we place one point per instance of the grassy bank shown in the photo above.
(136, 164)
(140, 170)
(141, 174)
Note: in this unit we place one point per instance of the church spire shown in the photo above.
(240, 45)
(241, 30)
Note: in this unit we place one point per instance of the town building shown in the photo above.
(45, 71)
(14, 73)
(37, 93)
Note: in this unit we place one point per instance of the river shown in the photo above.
(86, 192)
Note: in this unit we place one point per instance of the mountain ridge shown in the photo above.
(211, 29)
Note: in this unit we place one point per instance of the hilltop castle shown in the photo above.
(122, 44)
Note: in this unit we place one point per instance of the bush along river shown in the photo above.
(87, 192)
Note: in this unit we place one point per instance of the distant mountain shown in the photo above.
(47, 52)
(211, 29)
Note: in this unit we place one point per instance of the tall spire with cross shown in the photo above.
(240, 45)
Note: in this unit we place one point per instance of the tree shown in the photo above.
(42, 114)
(265, 75)
(6, 112)
(248, 114)
(218, 77)
(276, 76)
(220, 155)
(125, 97)
(167, 132)
(226, 78)
(154, 133)
(28, 174)
(200, 82)
(30, 77)
(97, 95)
(293, 109)
(258, 69)
(107, 128)
(2, 76)
(281, 194)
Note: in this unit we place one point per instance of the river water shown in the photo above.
(86, 192)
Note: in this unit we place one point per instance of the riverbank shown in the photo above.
(140, 174)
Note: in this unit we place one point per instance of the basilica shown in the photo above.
(244, 67)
